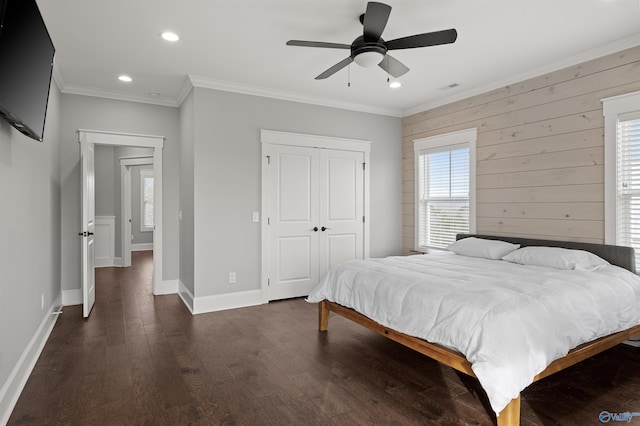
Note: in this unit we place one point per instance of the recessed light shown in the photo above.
(169, 36)
(395, 84)
(125, 78)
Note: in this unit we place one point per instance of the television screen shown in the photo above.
(26, 65)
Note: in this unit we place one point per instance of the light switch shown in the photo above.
(256, 216)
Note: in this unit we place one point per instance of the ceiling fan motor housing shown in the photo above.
(368, 53)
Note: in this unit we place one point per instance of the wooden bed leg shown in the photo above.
(510, 415)
(323, 316)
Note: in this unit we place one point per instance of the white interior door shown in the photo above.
(341, 207)
(87, 173)
(315, 215)
(293, 222)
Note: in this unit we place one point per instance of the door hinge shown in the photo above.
(364, 165)
(268, 159)
(362, 219)
(268, 282)
(268, 221)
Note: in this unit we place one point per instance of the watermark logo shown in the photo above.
(606, 417)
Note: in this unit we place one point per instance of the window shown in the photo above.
(445, 188)
(622, 171)
(146, 200)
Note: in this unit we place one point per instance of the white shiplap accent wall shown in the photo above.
(540, 150)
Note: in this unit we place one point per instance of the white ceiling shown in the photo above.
(239, 45)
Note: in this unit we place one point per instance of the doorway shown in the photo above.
(130, 222)
(88, 140)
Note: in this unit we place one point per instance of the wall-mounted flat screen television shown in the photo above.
(26, 66)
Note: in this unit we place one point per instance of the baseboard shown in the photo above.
(104, 262)
(12, 388)
(166, 287)
(142, 247)
(186, 296)
(108, 262)
(72, 297)
(222, 302)
(218, 302)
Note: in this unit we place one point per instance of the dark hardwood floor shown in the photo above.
(141, 359)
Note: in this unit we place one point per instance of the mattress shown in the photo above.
(510, 321)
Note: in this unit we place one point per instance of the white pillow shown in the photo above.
(556, 257)
(480, 247)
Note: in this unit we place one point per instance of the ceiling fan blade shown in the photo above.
(423, 40)
(304, 43)
(393, 66)
(334, 69)
(375, 19)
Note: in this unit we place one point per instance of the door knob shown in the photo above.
(324, 229)
(315, 229)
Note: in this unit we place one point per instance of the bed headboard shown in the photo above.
(623, 257)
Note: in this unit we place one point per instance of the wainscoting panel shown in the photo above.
(105, 241)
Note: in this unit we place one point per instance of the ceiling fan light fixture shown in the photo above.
(368, 59)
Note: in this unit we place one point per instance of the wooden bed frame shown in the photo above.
(510, 415)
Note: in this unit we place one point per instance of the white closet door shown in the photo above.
(341, 207)
(315, 220)
(293, 218)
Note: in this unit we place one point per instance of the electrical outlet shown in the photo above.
(232, 277)
(256, 216)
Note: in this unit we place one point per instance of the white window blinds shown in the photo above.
(628, 182)
(443, 195)
(146, 200)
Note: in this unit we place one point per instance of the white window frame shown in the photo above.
(448, 141)
(612, 109)
(145, 173)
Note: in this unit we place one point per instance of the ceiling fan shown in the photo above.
(370, 49)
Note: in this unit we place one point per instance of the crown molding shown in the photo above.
(585, 56)
(58, 77)
(90, 91)
(228, 86)
(184, 91)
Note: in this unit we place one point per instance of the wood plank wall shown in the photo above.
(540, 150)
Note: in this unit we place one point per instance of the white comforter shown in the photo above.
(510, 321)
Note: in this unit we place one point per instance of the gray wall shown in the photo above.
(187, 135)
(84, 112)
(29, 234)
(105, 179)
(227, 178)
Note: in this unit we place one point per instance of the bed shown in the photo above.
(508, 324)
